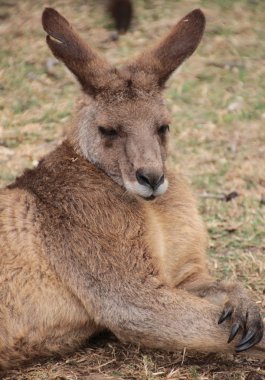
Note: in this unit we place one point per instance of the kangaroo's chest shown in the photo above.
(117, 234)
(138, 237)
(162, 245)
(176, 241)
(144, 239)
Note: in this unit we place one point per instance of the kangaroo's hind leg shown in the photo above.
(40, 321)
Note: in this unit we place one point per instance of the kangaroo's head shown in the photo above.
(122, 121)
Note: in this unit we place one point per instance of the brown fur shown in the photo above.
(81, 247)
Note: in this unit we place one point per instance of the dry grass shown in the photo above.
(218, 138)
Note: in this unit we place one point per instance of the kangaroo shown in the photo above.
(122, 13)
(102, 234)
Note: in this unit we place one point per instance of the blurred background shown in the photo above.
(217, 100)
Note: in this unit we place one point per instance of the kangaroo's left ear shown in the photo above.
(92, 71)
(178, 45)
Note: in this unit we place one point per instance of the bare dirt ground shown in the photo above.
(218, 139)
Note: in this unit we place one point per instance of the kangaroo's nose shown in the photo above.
(150, 178)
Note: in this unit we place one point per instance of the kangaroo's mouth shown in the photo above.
(151, 198)
(146, 192)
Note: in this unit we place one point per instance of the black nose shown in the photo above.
(150, 178)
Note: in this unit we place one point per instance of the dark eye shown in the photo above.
(108, 132)
(163, 129)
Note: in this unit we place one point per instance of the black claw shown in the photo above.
(225, 314)
(250, 342)
(247, 345)
(244, 347)
(234, 331)
(255, 340)
(249, 335)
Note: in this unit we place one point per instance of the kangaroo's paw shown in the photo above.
(245, 316)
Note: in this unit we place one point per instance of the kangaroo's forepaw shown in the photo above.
(245, 316)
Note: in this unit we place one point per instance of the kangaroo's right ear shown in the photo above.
(173, 49)
(92, 71)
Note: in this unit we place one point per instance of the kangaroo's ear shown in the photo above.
(173, 49)
(92, 71)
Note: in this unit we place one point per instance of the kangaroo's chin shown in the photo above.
(146, 192)
(151, 198)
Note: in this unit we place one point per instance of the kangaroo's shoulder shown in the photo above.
(61, 170)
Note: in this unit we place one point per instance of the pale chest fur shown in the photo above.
(176, 236)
